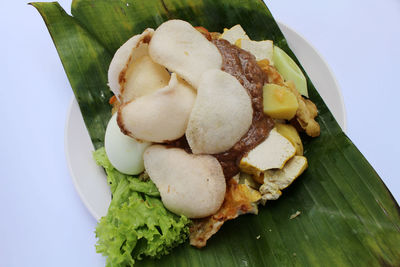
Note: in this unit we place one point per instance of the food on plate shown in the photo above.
(276, 180)
(160, 116)
(124, 153)
(272, 153)
(306, 113)
(137, 223)
(243, 66)
(131, 50)
(289, 70)
(274, 77)
(260, 49)
(291, 134)
(209, 124)
(189, 184)
(143, 78)
(239, 199)
(279, 102)
(247, 179)
(221, 115)
(182, 49)
(233, 34)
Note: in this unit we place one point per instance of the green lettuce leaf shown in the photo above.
(114, 176)
(137, 224)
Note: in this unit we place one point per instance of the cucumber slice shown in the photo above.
(289, 70)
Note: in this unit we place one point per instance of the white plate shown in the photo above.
(90, 180)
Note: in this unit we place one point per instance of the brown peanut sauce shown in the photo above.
(243, 66)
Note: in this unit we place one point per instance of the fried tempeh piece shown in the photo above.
(239, 199)
(306, 113)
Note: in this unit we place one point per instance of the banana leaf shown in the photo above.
(348, 216)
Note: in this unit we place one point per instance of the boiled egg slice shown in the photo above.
(125, 153)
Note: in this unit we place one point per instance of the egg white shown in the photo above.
(125, 153)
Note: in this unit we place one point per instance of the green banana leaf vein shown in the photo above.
(348, 217)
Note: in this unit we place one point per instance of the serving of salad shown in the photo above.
(205, 127)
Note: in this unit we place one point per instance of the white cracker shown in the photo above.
(160, 116)
(122, 59)
(191, 185)
(221, 115)
(179, 47)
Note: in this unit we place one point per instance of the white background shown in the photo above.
(44, 223)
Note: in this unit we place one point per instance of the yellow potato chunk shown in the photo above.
(291, 134)
(279, 102)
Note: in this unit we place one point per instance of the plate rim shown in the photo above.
(78, 189)
(335, 81)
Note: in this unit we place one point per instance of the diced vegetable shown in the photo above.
(279, 102)
(289, 70)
